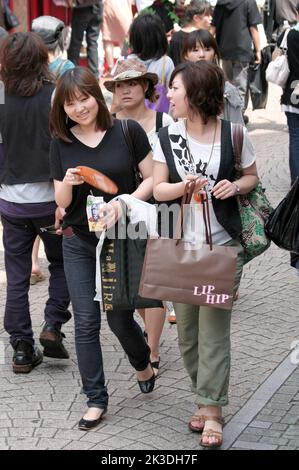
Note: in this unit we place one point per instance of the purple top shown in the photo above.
(25, 211)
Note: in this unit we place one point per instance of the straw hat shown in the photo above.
(130, 69)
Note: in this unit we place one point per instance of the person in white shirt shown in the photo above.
(202, 150)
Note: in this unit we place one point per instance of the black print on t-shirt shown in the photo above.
(179, 148)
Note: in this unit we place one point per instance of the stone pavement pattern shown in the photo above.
(41, 410)
(276, 427)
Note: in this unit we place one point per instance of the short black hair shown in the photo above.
(196, 7)
(203, 37)
(147, 37)
(204, 84)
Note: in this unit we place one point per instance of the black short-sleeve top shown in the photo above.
(112, 157)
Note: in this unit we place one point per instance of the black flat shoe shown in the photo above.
(87, 424)
(155, 365)
(147, 386)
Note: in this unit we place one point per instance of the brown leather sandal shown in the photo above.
(200, 419)
(211, 433)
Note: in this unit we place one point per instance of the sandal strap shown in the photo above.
(211, 433)
(199, 418)
(216, 419)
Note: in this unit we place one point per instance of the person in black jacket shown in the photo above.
(290, 105)
(235, 24)
(290, 97)
(87, 16)
(27, 203)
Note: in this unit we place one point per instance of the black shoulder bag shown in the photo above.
(122, 259)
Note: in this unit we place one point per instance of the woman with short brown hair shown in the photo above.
(201, 149)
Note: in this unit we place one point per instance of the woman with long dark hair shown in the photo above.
(148, 41)
(132, 85)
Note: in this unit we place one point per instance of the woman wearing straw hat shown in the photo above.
(132, 84)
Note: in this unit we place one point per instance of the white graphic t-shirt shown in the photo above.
(202, 165)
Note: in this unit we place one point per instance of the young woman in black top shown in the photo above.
(86, 134)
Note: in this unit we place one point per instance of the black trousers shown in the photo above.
(87, 19)
(18, 239)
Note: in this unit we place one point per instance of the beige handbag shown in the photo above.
(278, 70)
(174, 272)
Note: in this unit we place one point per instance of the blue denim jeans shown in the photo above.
(293, 125)
(80, 271)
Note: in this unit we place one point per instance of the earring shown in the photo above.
(67, 120)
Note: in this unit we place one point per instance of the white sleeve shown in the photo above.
(167, 120)
(248, 154)
(158, 153)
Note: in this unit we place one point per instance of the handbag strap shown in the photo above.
(207, 219)
(284, 42)
(128, 139)
(186, 199)
(127, 135)
(159, 121)
(238, 138)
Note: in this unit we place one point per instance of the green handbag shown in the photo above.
(254, 208)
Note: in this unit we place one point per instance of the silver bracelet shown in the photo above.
(237, 188)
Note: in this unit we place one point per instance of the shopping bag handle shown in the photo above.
(186, 199)
(207, 219)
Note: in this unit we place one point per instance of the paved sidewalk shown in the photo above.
(41, 410)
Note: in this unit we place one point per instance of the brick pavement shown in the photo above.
(41, 410)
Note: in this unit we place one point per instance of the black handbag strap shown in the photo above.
(128, 139)
(159, 121)
(207, 219)
(127, 135)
